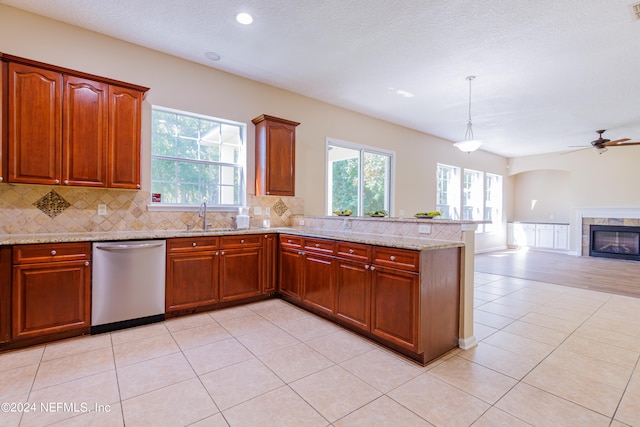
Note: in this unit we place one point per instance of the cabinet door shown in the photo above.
(240, 273)
(353, 293)
(35, 96)
(50, 298)
(561, 233)
(270, 256)
(84, 132)
(318, 281)
(192, 280)
(125, 107)
(395, 309)
(290, 273)
(544, 235)
(275, 156)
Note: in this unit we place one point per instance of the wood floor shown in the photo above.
(600, 274)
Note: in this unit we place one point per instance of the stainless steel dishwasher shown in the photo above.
(127, 284)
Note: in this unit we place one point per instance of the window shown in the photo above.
(358, 178)
(197, 158)
(477, 197)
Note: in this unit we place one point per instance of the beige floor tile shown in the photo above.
(500, 360)
(69, 368)
(551, 322)
(235, 384)
(382, 370)
(568, 314)
(334, 392)
(608, 336)
(491, 288)
(501, 309)
(176, 405)
(601, 351)
(80, 396)
(143, 349)
(295, 362)
(340, 346)
(495, 417)
(490, 319)
(76, 345)
(200, 335)
(485, 296)
(278, 408)
(216, 420)
(11, 418)
(110, 416)
(230, 313)
(308, 328)
(517, 344)
(218, 355)
(538, 333)
(246, 324)
(634, 383)
(438, 402)
(267, 340)
(483, 383)
(532, 296)
(619, 326)
(481, 331)
(543, 409)
(597, 370)
(16, 382)
(187, 322)
(586, 392)
(18, 358)
(153, 374)
(629, 410)
(382, 412)
(284, 314)
(140, 332)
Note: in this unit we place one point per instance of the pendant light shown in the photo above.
(469, 144)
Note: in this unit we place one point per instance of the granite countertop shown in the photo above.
(414, 243)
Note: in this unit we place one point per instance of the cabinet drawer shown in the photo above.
(355, 251)
(294, 242)
(48, 252)
(319, 245)
(192, 244)
(242, 241)
(396, 258)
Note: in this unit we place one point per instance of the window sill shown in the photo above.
(166, 207)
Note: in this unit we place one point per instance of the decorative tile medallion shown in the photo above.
(279, 207)
(52, 204)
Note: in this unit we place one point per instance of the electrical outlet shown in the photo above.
(267, 211)
(257, 211)
(424, 229)
(102, 209)
(401, 213)
(302, 222)
(347, 224)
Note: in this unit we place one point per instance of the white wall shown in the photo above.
(184, 85)
(542, 196)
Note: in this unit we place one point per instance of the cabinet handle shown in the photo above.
(194, 244)
(57, 181)
(351, 251)
(373, 267)
(53, 252)
(366, 267)
(86, 263)
(66, 182)
(392, 258)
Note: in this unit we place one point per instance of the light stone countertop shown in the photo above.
(402, 242)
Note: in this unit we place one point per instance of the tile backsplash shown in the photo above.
(35, 209)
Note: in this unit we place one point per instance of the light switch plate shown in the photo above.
(424, 229)
(267, 211)
(102, 209)
(257, 210)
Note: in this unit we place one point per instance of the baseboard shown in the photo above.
(467, 343)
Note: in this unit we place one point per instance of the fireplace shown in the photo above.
(615, 241)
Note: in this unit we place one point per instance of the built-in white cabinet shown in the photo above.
(538, 235)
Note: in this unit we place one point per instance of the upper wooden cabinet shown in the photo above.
(275, 156)
(70, 128)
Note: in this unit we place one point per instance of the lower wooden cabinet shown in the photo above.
(290, 277)
(191, 280)
(240, 273)
(353, 293)
(270, 255)
(318, 281)
(51, 289)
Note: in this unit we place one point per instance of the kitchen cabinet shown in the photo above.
(561, 237)
(5, 294)
(318, 274)
(353, 284)
(290, 267)
(51, 290)
(270, 254)
(71, 128)
(275, 156)
(192, 274)
(241, 267)
(544, 236)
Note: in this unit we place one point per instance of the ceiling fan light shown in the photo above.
(469, 145)
(601, 150)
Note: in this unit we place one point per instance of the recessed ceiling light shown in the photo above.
(244, 18)
(212, 56)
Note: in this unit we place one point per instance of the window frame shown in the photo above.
(362, 148)
(241, 164)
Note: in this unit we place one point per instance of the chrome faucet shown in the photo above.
(203, 214)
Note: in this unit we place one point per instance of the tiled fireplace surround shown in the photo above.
(603, 216)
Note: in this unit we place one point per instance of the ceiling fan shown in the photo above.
(602, 144)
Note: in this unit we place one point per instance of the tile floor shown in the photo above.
(548, 356)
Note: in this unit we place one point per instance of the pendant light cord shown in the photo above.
(469, 133)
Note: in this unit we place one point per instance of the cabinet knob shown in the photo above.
(317, 245)
(265, 236)
(86, 263)
(194, 244)
(222, 253)
(66, 182)
(1, 179)
(373, 267)
(300, 253)
(392, 258)
(217, 253)
(366, 267)
(53, 252)
(241, 240)
(57, 181)
(288, 240)
(138, 186)
(351, 251)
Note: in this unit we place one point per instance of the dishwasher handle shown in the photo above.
(124, 247)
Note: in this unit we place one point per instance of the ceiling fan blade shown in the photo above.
(615, 142)
(626, 143)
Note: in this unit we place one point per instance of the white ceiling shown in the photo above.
(549, 72)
